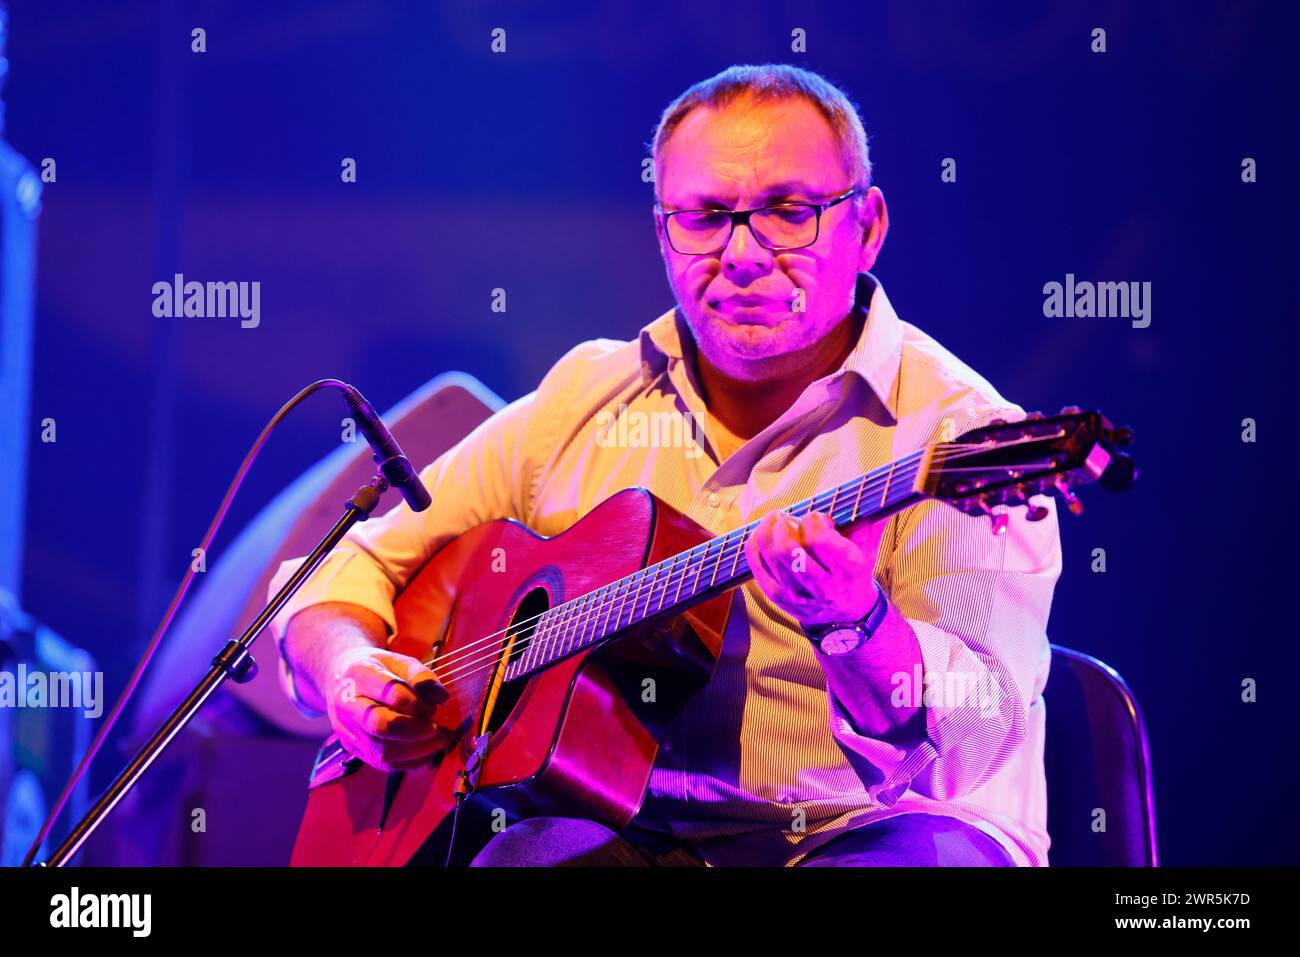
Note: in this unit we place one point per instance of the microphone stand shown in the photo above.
(233, 662)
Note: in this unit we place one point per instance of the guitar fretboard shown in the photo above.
(671, 586)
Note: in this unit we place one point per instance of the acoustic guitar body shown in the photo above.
(576, 739)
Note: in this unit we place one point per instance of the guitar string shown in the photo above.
(604, 604)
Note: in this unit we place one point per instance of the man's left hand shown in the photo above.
(811, 570)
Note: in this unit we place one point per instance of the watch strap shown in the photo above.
(865, 626)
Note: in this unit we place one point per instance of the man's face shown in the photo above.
(739, 302)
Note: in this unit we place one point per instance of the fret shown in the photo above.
(857, 501)
(537, 645)
(650, 590)
(888, 478)
(555, 639)
(680, 573)
(602, 599)
(716, 557)
(661, 589)
(704, 564)
(561, 626)
(591, 624)
(695, 588)
(637, 584)
(580, 619)
(682, 578)
(550, 648)
(628, 607)
(536, 653)
(628, 591)
(544, 631)
(643, 591)
(740, 549)
(717, 561)
(593, 602)
(557, 628)
(665, 568)
(638, 594)
(835, 493)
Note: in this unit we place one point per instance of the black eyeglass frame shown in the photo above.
(741, 217)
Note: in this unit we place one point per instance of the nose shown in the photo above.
(745, 256)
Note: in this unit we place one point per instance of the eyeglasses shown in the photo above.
(706, 232)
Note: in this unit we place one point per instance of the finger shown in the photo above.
(788, 600)
(796, 566)
(756, 556)
(418, 676)
(381, 722)
(828, 545)
(761, 547)
(761, 537)
(372, 679)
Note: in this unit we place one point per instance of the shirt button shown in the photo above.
(713, 500)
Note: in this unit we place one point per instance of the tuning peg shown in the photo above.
(1035, 513)
(1071, 500)
(1033, 416)
(1069, 410)
(1120, 474)
(997, 421)
(1122, 435)
(999, 519)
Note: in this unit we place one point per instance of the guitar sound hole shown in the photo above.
(522, 625)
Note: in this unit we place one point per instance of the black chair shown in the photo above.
(1097, 760)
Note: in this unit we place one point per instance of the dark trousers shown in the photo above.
(909, 840)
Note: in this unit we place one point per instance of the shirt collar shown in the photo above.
(875, 357)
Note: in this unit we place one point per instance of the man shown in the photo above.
(879, 700)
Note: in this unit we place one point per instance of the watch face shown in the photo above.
(840, 641)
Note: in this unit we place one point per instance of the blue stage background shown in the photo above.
(522, 171)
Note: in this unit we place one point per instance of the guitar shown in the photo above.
(545, 656)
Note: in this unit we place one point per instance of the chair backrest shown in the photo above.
(1100, 806)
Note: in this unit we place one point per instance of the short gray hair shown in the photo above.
(775, 81)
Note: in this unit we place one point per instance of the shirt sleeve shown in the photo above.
(979, 605)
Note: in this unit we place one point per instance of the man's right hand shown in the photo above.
(379, 703)
(381, 706)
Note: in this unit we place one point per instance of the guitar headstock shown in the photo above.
(1005, 463)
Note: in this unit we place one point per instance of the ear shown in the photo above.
(875, 221)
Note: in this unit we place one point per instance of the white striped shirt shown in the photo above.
(763, 764)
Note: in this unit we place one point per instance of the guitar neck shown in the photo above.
(673, 585)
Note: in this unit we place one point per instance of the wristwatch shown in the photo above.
(841, 637)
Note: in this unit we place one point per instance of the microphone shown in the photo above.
(394, 465)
